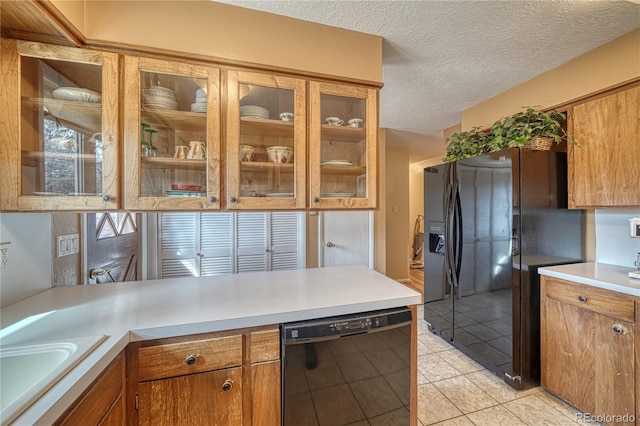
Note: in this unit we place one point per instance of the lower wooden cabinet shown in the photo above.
(103, 403)
(588, 342)
(225, 378)
(213, 397)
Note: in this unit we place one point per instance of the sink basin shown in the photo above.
(28, 371)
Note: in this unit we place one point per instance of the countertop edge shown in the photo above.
(589, 274)
(57, 400)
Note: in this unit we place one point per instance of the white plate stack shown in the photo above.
(254, 111)
(158, 97)
(200, 103)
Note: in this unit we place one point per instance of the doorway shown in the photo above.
(113, 243)
(345, 238)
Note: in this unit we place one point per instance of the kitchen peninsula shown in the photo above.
(135, 312)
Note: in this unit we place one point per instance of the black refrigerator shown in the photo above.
(490, 222)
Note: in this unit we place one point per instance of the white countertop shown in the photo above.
(525, 262)
(603, 275)
(164, 308)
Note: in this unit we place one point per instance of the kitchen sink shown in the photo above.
(28, 371)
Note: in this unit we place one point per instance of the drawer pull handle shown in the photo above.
(617, 329)
(191, 359)
(582, 298)
(227, 385)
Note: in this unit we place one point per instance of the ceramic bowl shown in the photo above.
(280, 154)
(247, 152)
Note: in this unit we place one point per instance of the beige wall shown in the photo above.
(73, 10)
(380, 215)
(66, 269)
(607, 66)
(239, 34)
(398, 242)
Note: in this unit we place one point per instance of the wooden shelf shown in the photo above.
(263, 166)
(172, 163)
(344, 170)
(42, 155)
(177, 120)
(343, 133)
(265, 127)
(83, 117)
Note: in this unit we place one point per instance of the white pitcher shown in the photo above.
(197, 150)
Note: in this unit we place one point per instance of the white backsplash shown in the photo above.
(613, 243)
(31, 259)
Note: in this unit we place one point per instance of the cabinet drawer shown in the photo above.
(592, 298)
(265, 346)
(176, 359)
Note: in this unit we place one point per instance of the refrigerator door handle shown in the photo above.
(458, 222)
(452, 189)
(455, 246)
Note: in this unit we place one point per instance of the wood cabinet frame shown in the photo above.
(11, 198)
(316, 125)
(259, 361)
(588, 345)
(132, 152)
(273, 127)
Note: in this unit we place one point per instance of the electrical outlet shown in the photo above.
(5, 256)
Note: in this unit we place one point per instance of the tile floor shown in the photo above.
(454, 390)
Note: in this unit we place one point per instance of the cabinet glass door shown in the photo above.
(343, 146)
(266, 148)
(172, 127)
(66, 131)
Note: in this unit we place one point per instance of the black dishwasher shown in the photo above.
(346, 369)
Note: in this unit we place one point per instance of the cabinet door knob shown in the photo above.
(582, 298)
(212, 199)
(227, 385)
(316, 200)
(617, 329)
(232, 199)
(191, 359)
(106, 197)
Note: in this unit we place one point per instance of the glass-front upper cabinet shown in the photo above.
(59, 140)
(172, 135)
(266, 141)
(343, 140)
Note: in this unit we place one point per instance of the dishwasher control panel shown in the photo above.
(336, 327)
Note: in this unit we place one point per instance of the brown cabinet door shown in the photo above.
(587, 359)
(265, 379)
(604, 168)
(103, 403)
(212, 398)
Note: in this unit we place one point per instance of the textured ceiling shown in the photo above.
(441, 57)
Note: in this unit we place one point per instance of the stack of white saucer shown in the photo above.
(253, 111)
(200, 104)
(158, 97)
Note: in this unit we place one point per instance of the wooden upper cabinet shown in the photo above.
(605, 169)
(343, 146)
(59, 146)
(266, 142)
(172, 134)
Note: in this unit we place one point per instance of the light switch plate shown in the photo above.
(67, 244)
